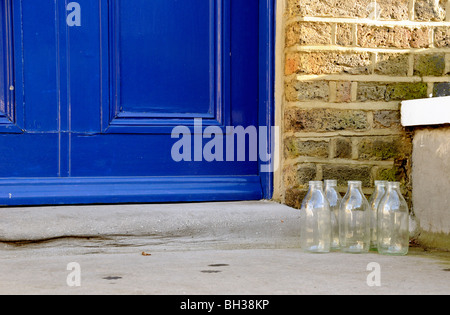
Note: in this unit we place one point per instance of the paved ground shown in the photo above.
(251, 248)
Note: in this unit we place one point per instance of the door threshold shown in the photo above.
(113, 190)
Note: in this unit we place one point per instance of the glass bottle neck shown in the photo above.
(316, 184)
(354, 185)
(330, 183)
(380, 183)
(393, 186)
(380, 187)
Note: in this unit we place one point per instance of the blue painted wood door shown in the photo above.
(91, 91)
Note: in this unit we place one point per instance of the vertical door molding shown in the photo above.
(267, 86)
(8, 117)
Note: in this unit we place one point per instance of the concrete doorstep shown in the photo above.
(231, 248)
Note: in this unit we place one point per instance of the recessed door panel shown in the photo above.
(169, 63)
(165, 57)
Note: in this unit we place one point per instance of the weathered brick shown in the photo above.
(384, 148)
(289, 176)
(325, 120)
(345, 173)
(430, 10)
(292, 63)
(294, 197)
(371, 91)
(373, 36)
(344, 34)
(307, 33)
(406, 91)
(343, 92)
(441, 89)
(387, 119)
(378, 91)
(392, 64)
(442, 36)
(393, 9)
(429, 64)
(299, 174)
(420, 37)
(383, 36)
(342, 148)
(397, 173)
(327, 63)
(294, 147)
(307, 90)
(329, 8)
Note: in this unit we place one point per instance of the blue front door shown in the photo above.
(92, 94)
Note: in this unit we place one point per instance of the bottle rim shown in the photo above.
(332, 182)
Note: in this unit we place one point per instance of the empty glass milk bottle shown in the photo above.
(315, 226)
(374, 201)
(354, 220)
(334, 198)
(393, 222)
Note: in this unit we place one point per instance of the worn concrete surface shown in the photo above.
(261, 221)
(251, 248)
(431, 184)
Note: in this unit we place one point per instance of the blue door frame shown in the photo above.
(267, 81)
(36, 189)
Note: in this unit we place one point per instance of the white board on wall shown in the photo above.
(429, 111)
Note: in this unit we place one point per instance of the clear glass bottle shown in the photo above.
(334, 198)
(354, 220)
(374, 201)
(315, 230)
(393, 222)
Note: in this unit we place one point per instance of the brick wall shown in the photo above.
(347, 66)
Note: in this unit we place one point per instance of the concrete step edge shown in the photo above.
(249, 221)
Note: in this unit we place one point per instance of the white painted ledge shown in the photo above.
(423, 112)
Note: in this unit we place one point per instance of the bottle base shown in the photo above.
(356, 249)
(392, 253)
(316, 249)
(315, 252)
(393, 250)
